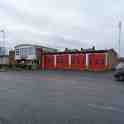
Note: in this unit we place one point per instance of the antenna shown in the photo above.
(119, 38)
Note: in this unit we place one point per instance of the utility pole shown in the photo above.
(119, 38)
(3, 37)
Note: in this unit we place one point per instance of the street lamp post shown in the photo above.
(119, 38)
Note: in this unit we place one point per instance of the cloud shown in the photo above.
(63, 23)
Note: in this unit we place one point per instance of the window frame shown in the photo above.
(17, 51)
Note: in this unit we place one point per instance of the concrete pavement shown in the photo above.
(60, 97)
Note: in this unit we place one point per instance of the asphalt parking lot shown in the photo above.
(60, 97)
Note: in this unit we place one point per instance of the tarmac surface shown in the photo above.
(60, 97)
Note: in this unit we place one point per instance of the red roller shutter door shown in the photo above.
(62, 61)
(49, 62)
(97, 61)
(78, 61)
(82, 61)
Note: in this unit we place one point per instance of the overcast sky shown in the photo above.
(63, 23)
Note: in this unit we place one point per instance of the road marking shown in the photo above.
(107, 108)
(53, 78)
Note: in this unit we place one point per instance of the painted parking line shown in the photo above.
(106, 108)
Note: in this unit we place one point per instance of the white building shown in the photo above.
(29, 53)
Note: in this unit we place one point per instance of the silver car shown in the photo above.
(119, 73)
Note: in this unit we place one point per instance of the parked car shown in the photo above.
(119, 72)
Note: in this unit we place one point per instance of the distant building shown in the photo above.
(4, 60)
(4, 57)
(12, 60)
(3, 51)
(30, 54)
(121, 60)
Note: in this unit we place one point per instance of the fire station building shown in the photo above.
(92, 60)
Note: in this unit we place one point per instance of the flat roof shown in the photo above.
(85, 51)
(40, 46)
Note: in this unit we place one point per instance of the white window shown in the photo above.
(31, 50)
(24, 51)
(17, 51)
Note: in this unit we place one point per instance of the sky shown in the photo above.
(62, 23)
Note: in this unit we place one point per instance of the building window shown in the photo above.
(17, 51)
(30, 50)
(23, 51)
(26, 51)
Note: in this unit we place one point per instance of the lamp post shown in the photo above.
(119, 38)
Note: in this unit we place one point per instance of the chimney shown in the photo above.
(82, 49)
(66, 49)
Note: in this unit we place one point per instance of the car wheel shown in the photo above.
(117, 78)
